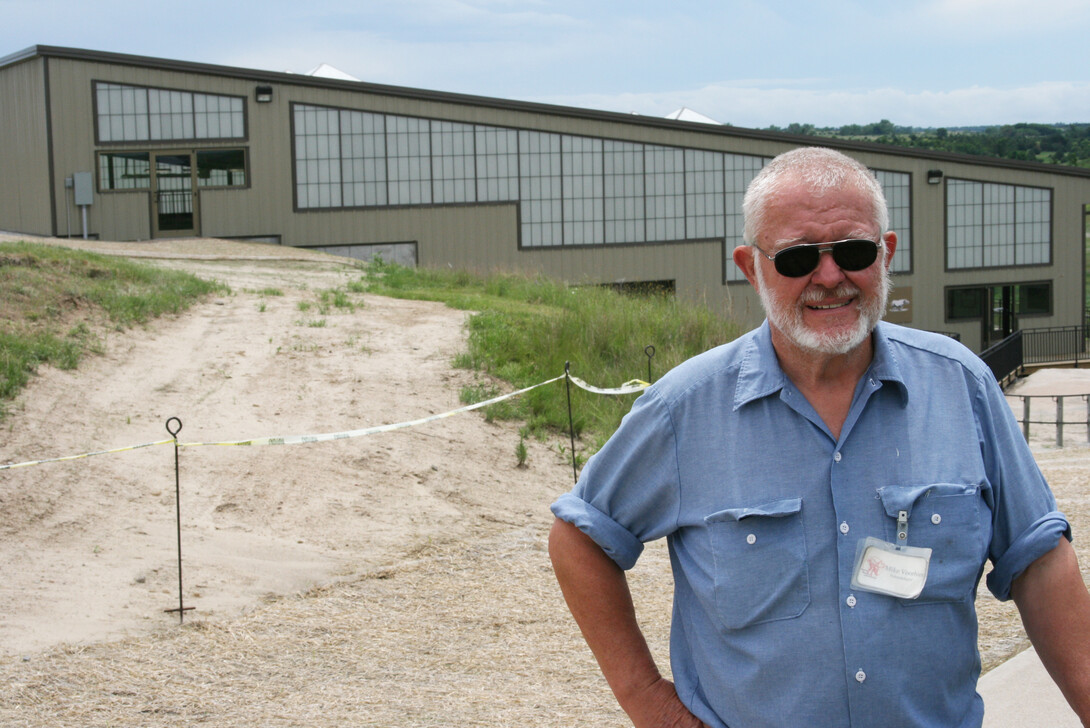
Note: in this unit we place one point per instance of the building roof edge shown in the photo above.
(46, 51)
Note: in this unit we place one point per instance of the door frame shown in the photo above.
(183, 195)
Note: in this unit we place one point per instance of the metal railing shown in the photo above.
(1055, 344)
(1005, 358)
(1066, 345)
(1058, 421)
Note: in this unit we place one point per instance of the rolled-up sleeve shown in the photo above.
(628, 492)
(1026, 523)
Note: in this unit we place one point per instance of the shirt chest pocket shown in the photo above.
(761, 572)
(946, 518)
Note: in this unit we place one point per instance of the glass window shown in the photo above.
(497, 164)
(704, 194)
(665, 189)
(738, 170)
(897, 187)
(584, 214)
(624, 192)
(363, 158)
(408, 160)
(540, 188)
(124, 171)
(317, 157)
(133, 113)
(221, 168)
(1033, 299)
(965, 303)
(452, 162)
(991, 225)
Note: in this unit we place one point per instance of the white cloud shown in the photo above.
(980, 17)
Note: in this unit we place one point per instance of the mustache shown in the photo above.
(816, 294)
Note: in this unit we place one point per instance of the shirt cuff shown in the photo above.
(613, 538)
(1035, 542)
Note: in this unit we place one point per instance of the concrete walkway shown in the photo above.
(1020, 694)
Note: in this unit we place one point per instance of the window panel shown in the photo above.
(991, 224)
(363, 158)
(704, 194)
(583, 209)
(318, 163)
(897, 188)
(665, 180)
(124, 171)
(221, 168)
(623, 186)
(738, 171)
(540, 153)
(132, 113)
(409, 150)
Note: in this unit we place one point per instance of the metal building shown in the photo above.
(124, 147)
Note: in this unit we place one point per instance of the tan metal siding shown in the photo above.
(24, 150)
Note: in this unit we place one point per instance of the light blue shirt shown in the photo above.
(763, 510)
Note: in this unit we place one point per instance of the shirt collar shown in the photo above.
(760, 375)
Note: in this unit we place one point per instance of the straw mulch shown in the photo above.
(467, 634)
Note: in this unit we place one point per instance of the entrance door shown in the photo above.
(999, 319)
(174, 201)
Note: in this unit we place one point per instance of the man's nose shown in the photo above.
(827, 273)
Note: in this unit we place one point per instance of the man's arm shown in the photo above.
(1055, 609)
(597, 594)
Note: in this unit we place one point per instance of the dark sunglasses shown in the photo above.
(800, 260)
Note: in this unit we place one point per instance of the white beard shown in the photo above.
(786, 316)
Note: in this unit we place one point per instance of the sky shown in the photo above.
(926, 63)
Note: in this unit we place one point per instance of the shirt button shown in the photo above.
(836, 457)
(750, 539)
(844, 527)
(860, 676)
(851, 600)
(936, 519)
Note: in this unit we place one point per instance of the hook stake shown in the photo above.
(174, 426)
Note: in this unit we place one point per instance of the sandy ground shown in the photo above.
(393, 579)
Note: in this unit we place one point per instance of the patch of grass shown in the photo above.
(52, 299)
(526, 328)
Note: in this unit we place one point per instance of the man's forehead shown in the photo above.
(798, 213)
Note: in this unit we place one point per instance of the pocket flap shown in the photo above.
(897, 498)
(775, 509)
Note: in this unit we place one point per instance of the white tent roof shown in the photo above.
(324, 70)
(686, 114)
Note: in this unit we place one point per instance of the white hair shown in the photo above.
(821, 170)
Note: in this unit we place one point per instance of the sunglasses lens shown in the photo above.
(849, 255)
(797, 261)
(852, 255)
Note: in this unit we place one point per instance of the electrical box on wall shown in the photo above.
(84, 184)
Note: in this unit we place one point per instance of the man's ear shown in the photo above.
(744, 257)
(890, 239)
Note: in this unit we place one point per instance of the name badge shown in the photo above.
(887, 568)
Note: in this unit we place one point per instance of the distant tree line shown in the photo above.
(1049, 143)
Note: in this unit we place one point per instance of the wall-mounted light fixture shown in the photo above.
(263, 94)
(934, 176)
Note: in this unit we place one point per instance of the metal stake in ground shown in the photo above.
(571, 424)
(649, 350)
(177, 427)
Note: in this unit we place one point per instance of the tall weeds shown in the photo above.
(526, 329)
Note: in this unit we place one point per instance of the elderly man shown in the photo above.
(830, 488)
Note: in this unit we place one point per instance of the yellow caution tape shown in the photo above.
(299, 439)
(632, 385)
(86, 454)
(629, 387)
